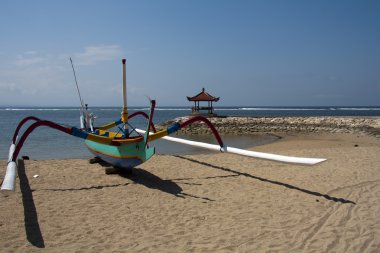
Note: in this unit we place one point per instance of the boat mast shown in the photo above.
(76, 82)
(84, 119)
(124, 113)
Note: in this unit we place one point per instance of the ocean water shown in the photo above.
(45, 143)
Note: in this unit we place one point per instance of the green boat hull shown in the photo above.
(125, 156)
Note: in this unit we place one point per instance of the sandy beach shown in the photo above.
(203, 203)
(265, 116)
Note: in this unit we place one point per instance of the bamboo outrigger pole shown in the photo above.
(238, 151)
(124, 113)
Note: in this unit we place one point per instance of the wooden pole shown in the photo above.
(124, 113)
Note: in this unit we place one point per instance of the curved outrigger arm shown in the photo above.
(22, 122)
(10, 175)
(180, 125)
(224, 148)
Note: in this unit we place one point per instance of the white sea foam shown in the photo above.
(308, 109)
(146, 109)
(39, 109)
(359, 108)
(281, 109)
(110, 109)
(173, 109)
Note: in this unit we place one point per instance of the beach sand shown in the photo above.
(202, 203)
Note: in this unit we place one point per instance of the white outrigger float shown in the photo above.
(244, 152)
(130, 148)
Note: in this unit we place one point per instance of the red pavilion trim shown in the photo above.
(203, 96)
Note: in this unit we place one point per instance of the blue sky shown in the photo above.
(258, 53)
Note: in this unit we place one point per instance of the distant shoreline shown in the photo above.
(240, 125)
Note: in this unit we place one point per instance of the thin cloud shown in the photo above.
(32, 74)
(31, 52)
(36, 78)
(95, 54)
(27, 60)
(9, 87)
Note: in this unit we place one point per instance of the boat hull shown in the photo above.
(125, 156)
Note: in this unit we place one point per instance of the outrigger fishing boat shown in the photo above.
(129, 147)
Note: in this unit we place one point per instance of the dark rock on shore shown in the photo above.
(252, 125)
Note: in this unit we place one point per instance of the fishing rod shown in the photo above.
(76, 82)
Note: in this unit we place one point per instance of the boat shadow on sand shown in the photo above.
(151, 181)
(137, 176)
(32, 227)
(289, 186)
(170, 186)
